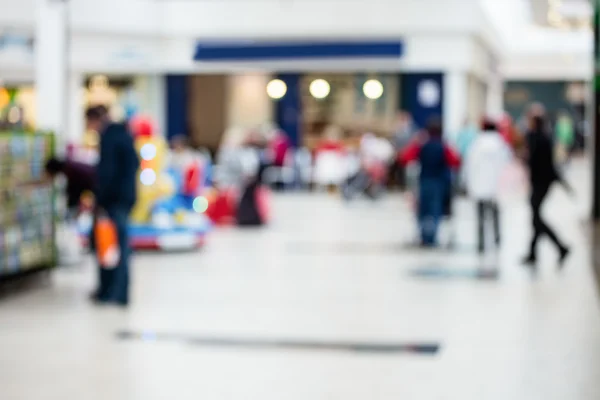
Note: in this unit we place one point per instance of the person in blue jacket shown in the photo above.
(115, 196)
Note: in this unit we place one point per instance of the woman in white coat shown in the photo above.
(486, 160)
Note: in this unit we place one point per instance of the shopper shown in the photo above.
(484, 164)
(279, 153)
(181, 155)
(565, 137)
(115, 195)
(80, 178)
(542, 175)
(436, 160)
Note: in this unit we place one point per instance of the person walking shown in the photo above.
(436, 160)
(115, 196)
(484, 164)
(543, 174)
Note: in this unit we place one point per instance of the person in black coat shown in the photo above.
(115, 192)
(543, 174)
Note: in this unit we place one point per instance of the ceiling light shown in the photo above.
(373, 89)
(276, 89)
(319, 88)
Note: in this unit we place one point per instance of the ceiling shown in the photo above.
(562, 14)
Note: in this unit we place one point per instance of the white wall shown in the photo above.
(113, 53)
(259, 18)
(17, 14)
(312, 18)
(127, 36)
(535, 52)
(548, 67)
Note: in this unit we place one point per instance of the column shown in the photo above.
(455, 109)
(423, 96)
(76, 100)
(151, 93)
(288, 110)
(596, 118)
(495, 96)
(51, 67)
(176, 117)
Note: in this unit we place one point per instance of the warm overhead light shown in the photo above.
(373, 89)
(276, 89)
(319, 88)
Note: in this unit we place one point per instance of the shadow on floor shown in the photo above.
(371, 248)
(415, 348)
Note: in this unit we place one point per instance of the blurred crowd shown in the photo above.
(433, 165)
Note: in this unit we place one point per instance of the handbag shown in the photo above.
(107, 242)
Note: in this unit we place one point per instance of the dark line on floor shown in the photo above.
(372, 248)
(414, 348)
(483, 274)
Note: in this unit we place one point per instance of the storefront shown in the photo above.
(358, 86)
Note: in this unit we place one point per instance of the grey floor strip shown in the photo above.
(371, 248)
(415, 348)
(487, 274)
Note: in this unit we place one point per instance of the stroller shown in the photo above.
(368, 180)
(369, 172)
(447, 222)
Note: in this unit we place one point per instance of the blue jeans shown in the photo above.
(114, 283)
(431, 208)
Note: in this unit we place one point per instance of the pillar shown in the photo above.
(596, 117)
(176, 107)
(495, 96)
(76, 100)
(51, 67)
(288, 110)
(151, 92)
(423, 96)
(456, 87)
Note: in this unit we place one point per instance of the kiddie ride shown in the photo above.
(170, 210)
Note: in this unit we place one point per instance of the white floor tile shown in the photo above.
(322, 271)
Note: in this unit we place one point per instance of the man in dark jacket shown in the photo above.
(80, 179)
(543, 174)
(115, 195)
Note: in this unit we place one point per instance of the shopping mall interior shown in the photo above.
(299, 199)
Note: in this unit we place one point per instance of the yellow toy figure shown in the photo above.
(160, 220)
(153, 184)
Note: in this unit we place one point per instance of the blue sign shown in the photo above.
(257, 51)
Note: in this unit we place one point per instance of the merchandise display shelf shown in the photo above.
(27, 226)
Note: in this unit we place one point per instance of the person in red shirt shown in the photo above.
(437, 161)
(279, 146)
(331, 141)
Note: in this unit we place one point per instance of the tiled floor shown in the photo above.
(323, 272)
